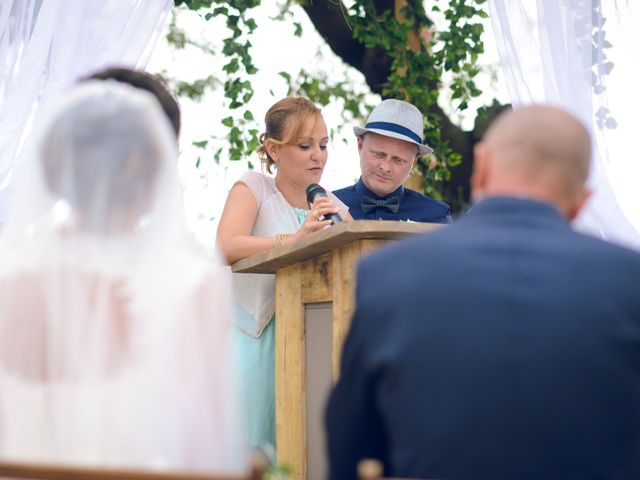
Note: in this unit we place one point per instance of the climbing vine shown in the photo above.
(416, 69)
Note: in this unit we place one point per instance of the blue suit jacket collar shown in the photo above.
(362, 190)
(520, 210)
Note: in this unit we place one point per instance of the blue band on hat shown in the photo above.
(394, 127)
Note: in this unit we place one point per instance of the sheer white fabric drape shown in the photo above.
(46, 45)
(576, 54)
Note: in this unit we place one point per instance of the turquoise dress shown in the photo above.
(254, 360)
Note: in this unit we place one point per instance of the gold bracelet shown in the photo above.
(280, 239)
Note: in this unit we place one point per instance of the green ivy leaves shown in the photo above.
(243, 132)
(416, 74)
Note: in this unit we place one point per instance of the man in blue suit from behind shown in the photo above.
(506, 346)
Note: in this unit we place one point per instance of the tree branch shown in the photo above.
(329, 18)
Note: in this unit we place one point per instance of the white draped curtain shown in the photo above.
(579, 55)
(47, 45)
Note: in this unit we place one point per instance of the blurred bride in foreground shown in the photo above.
(113, 330)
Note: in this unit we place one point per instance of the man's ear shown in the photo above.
(578, 204)
(481, 167)
(360, 143)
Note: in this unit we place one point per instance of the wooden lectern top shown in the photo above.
(327, 239)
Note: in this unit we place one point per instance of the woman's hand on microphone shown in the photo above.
(321, 206)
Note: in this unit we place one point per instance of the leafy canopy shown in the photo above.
(418, 54)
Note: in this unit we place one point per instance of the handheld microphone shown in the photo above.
(314, 190)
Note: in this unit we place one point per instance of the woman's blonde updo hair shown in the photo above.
(285, 122)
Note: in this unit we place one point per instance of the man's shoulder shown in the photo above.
(346, 191)
(418, 197)
(426, 208)
(594, 247)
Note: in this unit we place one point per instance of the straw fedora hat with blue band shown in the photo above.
(396, 119)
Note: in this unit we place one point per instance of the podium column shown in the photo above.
(308, 348)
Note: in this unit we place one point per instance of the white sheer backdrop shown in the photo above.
(579, 54)
(46, 45)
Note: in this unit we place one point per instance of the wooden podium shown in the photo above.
(315, 280)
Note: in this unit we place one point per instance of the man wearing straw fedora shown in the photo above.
(389, 145)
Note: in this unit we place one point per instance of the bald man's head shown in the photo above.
(539, 152)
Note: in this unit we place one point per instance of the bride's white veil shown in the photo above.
(113, 329)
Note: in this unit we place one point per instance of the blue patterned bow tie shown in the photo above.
(392, 204)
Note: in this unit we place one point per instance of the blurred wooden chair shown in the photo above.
(370, 469)
(37, 471)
